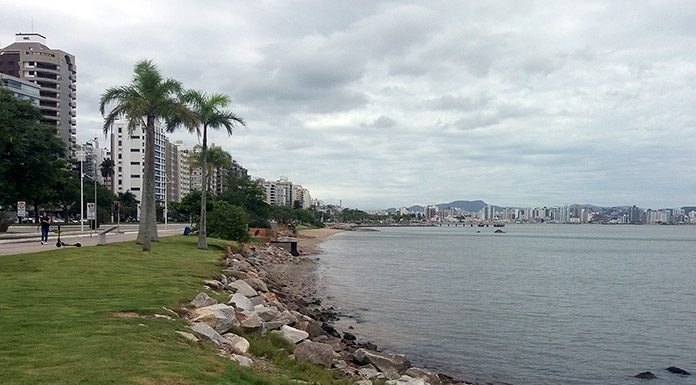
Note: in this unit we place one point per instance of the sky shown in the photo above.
(388, 104)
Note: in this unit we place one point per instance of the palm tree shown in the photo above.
(217, 159)
(147, 99)
(210, 113)
(107, 169)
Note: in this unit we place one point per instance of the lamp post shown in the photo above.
(81, 158)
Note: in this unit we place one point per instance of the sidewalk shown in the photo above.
(33, 244)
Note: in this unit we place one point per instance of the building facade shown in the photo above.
(54, 72)
(21, 89)
(178, 171)
(128, 152)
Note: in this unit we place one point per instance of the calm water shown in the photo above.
(541, 304)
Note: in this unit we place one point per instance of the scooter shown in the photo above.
(60, 243)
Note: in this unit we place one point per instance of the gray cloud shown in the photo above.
(384, 104)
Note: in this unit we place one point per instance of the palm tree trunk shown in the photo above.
(147, 229)
(202, 237)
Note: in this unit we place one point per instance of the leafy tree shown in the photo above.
(129, 206)
(190, 206)
(147, 99)
(229, 222)
(33, 160)
(242, 191)
(210, 113)
(107, 169)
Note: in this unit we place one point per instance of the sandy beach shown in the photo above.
(309, 240)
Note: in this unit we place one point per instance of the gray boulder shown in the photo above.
(238, 344)
(293, 335)
(284, 318)
(316, 352)
(209, 333)
(243, 360)
(202, 300)
(220, 317)
(392, 365)
(430, 377)
(242, 288)
(407, 380)
(266, 313)
(251, 321)
(240, 301)
(188, 336)
(257, 284)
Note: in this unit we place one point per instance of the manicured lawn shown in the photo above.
(57, 324)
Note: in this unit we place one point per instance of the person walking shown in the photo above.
(45, 224)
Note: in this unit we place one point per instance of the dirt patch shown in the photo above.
(125, 314)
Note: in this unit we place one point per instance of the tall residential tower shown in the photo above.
(53, 70)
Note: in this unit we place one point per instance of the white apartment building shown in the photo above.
(302, 195)
(279, 192)
(128, 151)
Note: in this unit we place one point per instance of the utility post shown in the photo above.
(81, 158)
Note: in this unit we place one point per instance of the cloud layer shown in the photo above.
(384, 104)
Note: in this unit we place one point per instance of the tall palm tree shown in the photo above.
(147, 99)
(210, 113)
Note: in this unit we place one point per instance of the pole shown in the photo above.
(166, 182)
(96, 220)
(82, 200)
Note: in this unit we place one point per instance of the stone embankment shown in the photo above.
(268, 290)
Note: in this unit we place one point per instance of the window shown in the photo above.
(135, 137)
(135, 163)
(136, 176)
(120, 182)
(119, 156)
(135, 150)
(120, 143)
(136, 189)
(120, 169)
(119, 130)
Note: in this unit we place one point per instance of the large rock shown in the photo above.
(257, 284)
(251, 321)
(676, 370)
(316, 352)
(243, 360)
(240, 301)
(392, 365)
(284, 318)
(238, 344)
(220, 317)
(266, 313)
(293, 335)
(430, 377)
(242, 288)
(407, 380)
(202, 300)
(208, 332)
(188, 336)
(646, 376)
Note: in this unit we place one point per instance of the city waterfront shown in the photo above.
(540, 304)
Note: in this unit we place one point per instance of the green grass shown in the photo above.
(57, 324)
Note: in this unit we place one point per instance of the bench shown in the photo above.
(102, 236)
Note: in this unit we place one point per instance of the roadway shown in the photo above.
(20, 239)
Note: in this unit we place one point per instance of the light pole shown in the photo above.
(81, 158)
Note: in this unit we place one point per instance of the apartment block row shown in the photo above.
(283, 192)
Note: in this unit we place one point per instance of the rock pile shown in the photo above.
(264, 298)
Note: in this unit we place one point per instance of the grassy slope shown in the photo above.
(57, 327)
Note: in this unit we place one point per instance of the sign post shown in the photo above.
(22, 209)
(90, 214)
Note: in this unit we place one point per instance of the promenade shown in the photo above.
(21, 240)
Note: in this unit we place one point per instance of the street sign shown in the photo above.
(90, 210)
(81, 156)
(22, 209)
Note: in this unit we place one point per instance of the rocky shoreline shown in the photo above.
(267, 290)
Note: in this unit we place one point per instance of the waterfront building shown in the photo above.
(128, 150)
(178, 167)
(301, 195)
(283, 192)
(54, 72)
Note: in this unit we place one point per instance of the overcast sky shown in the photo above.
(385, 104)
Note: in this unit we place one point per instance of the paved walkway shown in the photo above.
(15, 246)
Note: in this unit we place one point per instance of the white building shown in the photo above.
(128, 151)
(178, 170)
(94, 156)
(302, 195)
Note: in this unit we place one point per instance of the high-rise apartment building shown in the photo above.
(279, 192)
(178, 171)
(21, 89)
(54, 71)
(128, 151)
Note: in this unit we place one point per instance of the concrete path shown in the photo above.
(32, 245)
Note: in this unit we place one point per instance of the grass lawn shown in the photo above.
(57, 324)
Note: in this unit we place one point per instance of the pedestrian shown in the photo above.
(45, 223)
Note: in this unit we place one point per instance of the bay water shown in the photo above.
(539, 304)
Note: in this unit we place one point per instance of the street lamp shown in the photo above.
(81, 158)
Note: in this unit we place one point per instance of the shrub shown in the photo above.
(228, 222)
(6, 218)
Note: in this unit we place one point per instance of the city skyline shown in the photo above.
(386, 104)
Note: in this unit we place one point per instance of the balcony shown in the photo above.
(73, 122)
(73, 86)
(73, 113)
